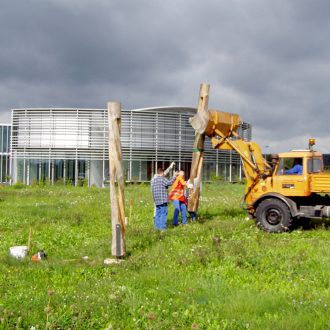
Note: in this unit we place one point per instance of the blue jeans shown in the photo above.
(161, 216)
(179, 207)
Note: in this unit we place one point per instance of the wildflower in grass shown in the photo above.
(151, 316)
(47, 309)
(50, 292)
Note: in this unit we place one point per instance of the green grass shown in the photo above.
(219, 273)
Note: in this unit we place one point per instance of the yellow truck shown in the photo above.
(293, 185)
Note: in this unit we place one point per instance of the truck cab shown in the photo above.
(297, 188)
(294, 183)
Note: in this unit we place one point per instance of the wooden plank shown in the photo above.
(198, 152)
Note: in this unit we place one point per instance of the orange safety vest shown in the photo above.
(177, 191)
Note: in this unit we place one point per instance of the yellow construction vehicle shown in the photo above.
(292, 185)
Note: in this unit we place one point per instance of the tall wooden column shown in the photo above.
(198, 153)
(117, 200)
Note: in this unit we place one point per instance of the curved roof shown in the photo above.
(168, 109)
(176, 109)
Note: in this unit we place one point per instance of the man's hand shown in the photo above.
(172, 165)
(176, 173)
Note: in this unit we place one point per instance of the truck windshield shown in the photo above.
(314, 165)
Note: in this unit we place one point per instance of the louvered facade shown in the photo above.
(5, 131)
(71, 145)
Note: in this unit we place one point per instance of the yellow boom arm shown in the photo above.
(222, 128)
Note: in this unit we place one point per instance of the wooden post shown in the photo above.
(198, 153)
(117, 201)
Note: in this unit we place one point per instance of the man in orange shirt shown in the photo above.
(178, 198)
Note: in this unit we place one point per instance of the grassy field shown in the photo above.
(219, 273)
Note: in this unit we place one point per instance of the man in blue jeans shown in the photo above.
(159, 187)
(179, 200)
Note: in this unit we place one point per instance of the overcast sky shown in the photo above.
(268, 61)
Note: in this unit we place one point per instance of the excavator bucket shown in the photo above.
(210, 121)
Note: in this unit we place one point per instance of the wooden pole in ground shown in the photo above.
(117, 200)
(198, 153)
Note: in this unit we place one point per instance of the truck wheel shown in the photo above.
(273, 216)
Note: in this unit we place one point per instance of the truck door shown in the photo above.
(291, 177)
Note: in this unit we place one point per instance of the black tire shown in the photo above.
(274, 216)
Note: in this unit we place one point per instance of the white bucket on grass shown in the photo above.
(18, 252)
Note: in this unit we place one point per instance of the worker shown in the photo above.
(297, 167)
(159, 186)
(177, 196)
(166, 172)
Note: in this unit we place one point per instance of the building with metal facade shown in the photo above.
(71, 145)
(5, 131)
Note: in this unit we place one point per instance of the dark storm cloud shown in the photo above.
(267, 60)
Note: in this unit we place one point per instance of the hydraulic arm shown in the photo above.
(222, 128)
